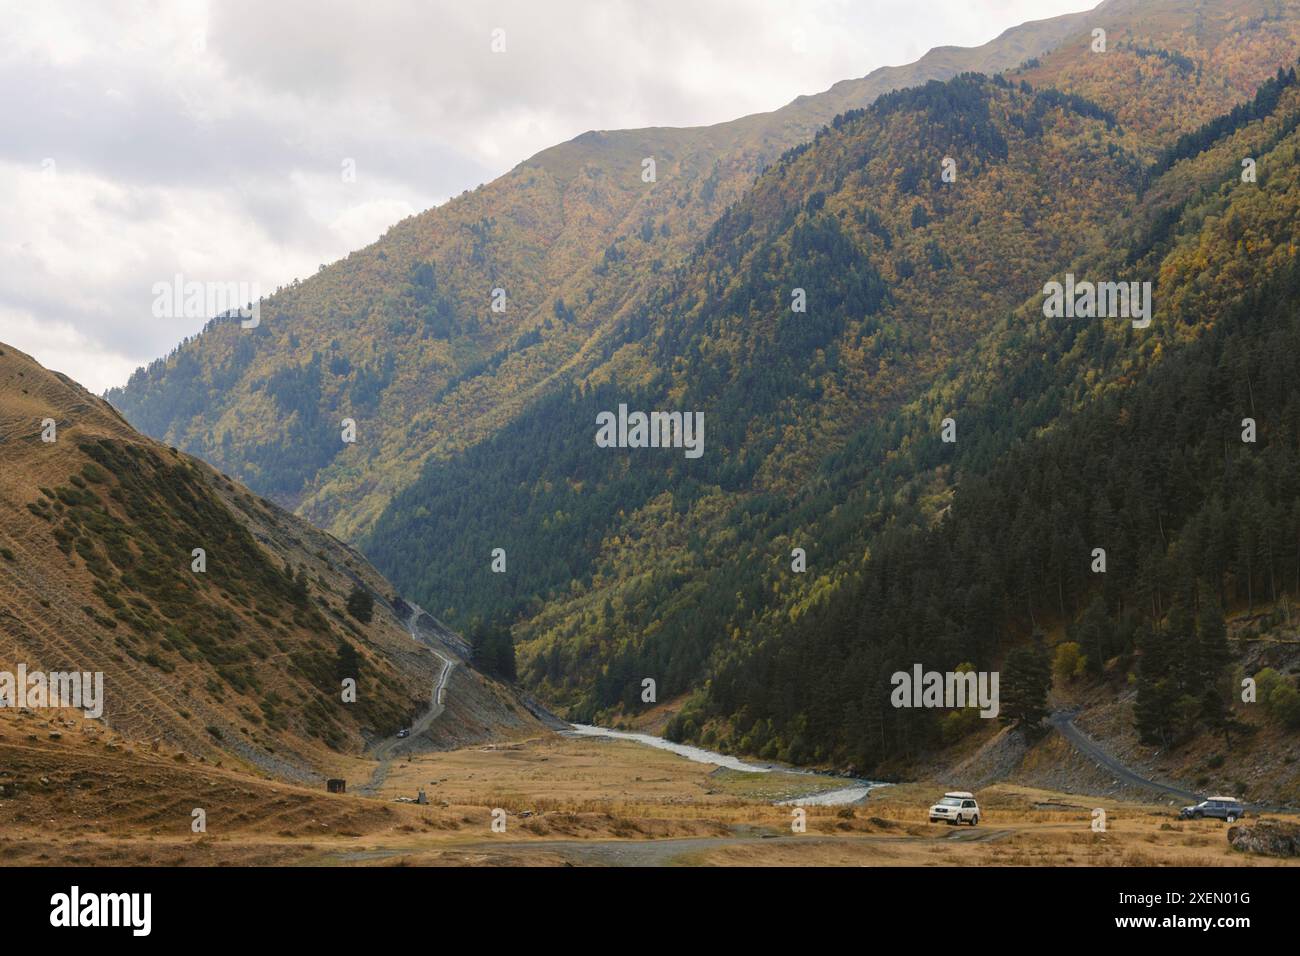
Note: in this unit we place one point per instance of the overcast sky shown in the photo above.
(141, 140)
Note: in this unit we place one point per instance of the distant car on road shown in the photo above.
(956, 807)
(404, 732)
(1219, 808)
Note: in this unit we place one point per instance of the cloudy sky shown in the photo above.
(210, 139)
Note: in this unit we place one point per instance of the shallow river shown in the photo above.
(830, 798)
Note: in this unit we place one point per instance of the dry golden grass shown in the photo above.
(90, 798)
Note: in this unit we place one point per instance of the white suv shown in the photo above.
(956, 807)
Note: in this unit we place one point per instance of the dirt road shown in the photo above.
(664, 852)
(386, 749)
(1063, 721)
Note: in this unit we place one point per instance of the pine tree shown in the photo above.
(347, 662)
(1212, 648)
(1094, 634)
(1153, 711)
(360, 604)
(494, 649)
(1212, 642)
(299, 589)
(1026, 677)
(1184, 662)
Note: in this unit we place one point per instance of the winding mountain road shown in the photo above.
(436, 702)
(386, 749)
(1063, 721)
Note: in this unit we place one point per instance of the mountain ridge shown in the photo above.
(542, 221)
(237, 654)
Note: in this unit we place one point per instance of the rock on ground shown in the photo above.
(1268, 837)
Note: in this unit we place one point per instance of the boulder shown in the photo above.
(1267, 837)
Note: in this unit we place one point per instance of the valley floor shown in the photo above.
(69, 795)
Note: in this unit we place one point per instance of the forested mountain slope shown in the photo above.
(401, 336)
(826, 318)
(824, 430)
(1077, 436)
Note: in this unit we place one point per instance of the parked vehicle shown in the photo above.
(404, 732)
(1219, 808)
(956, 807)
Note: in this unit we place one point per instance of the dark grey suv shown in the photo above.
(1219, 808)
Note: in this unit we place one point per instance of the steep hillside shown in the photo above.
(824, 434)
(242, 660)
(1078, 435)
(401, 335)
(826, 318)
(893, 298)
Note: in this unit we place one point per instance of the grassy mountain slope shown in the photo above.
(241, 662)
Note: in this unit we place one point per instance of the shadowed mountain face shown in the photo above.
(837, 304)
(220, 622)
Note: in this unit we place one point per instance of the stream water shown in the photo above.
(857, 790)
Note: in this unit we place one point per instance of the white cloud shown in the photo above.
(61, 347)
(207, 139)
